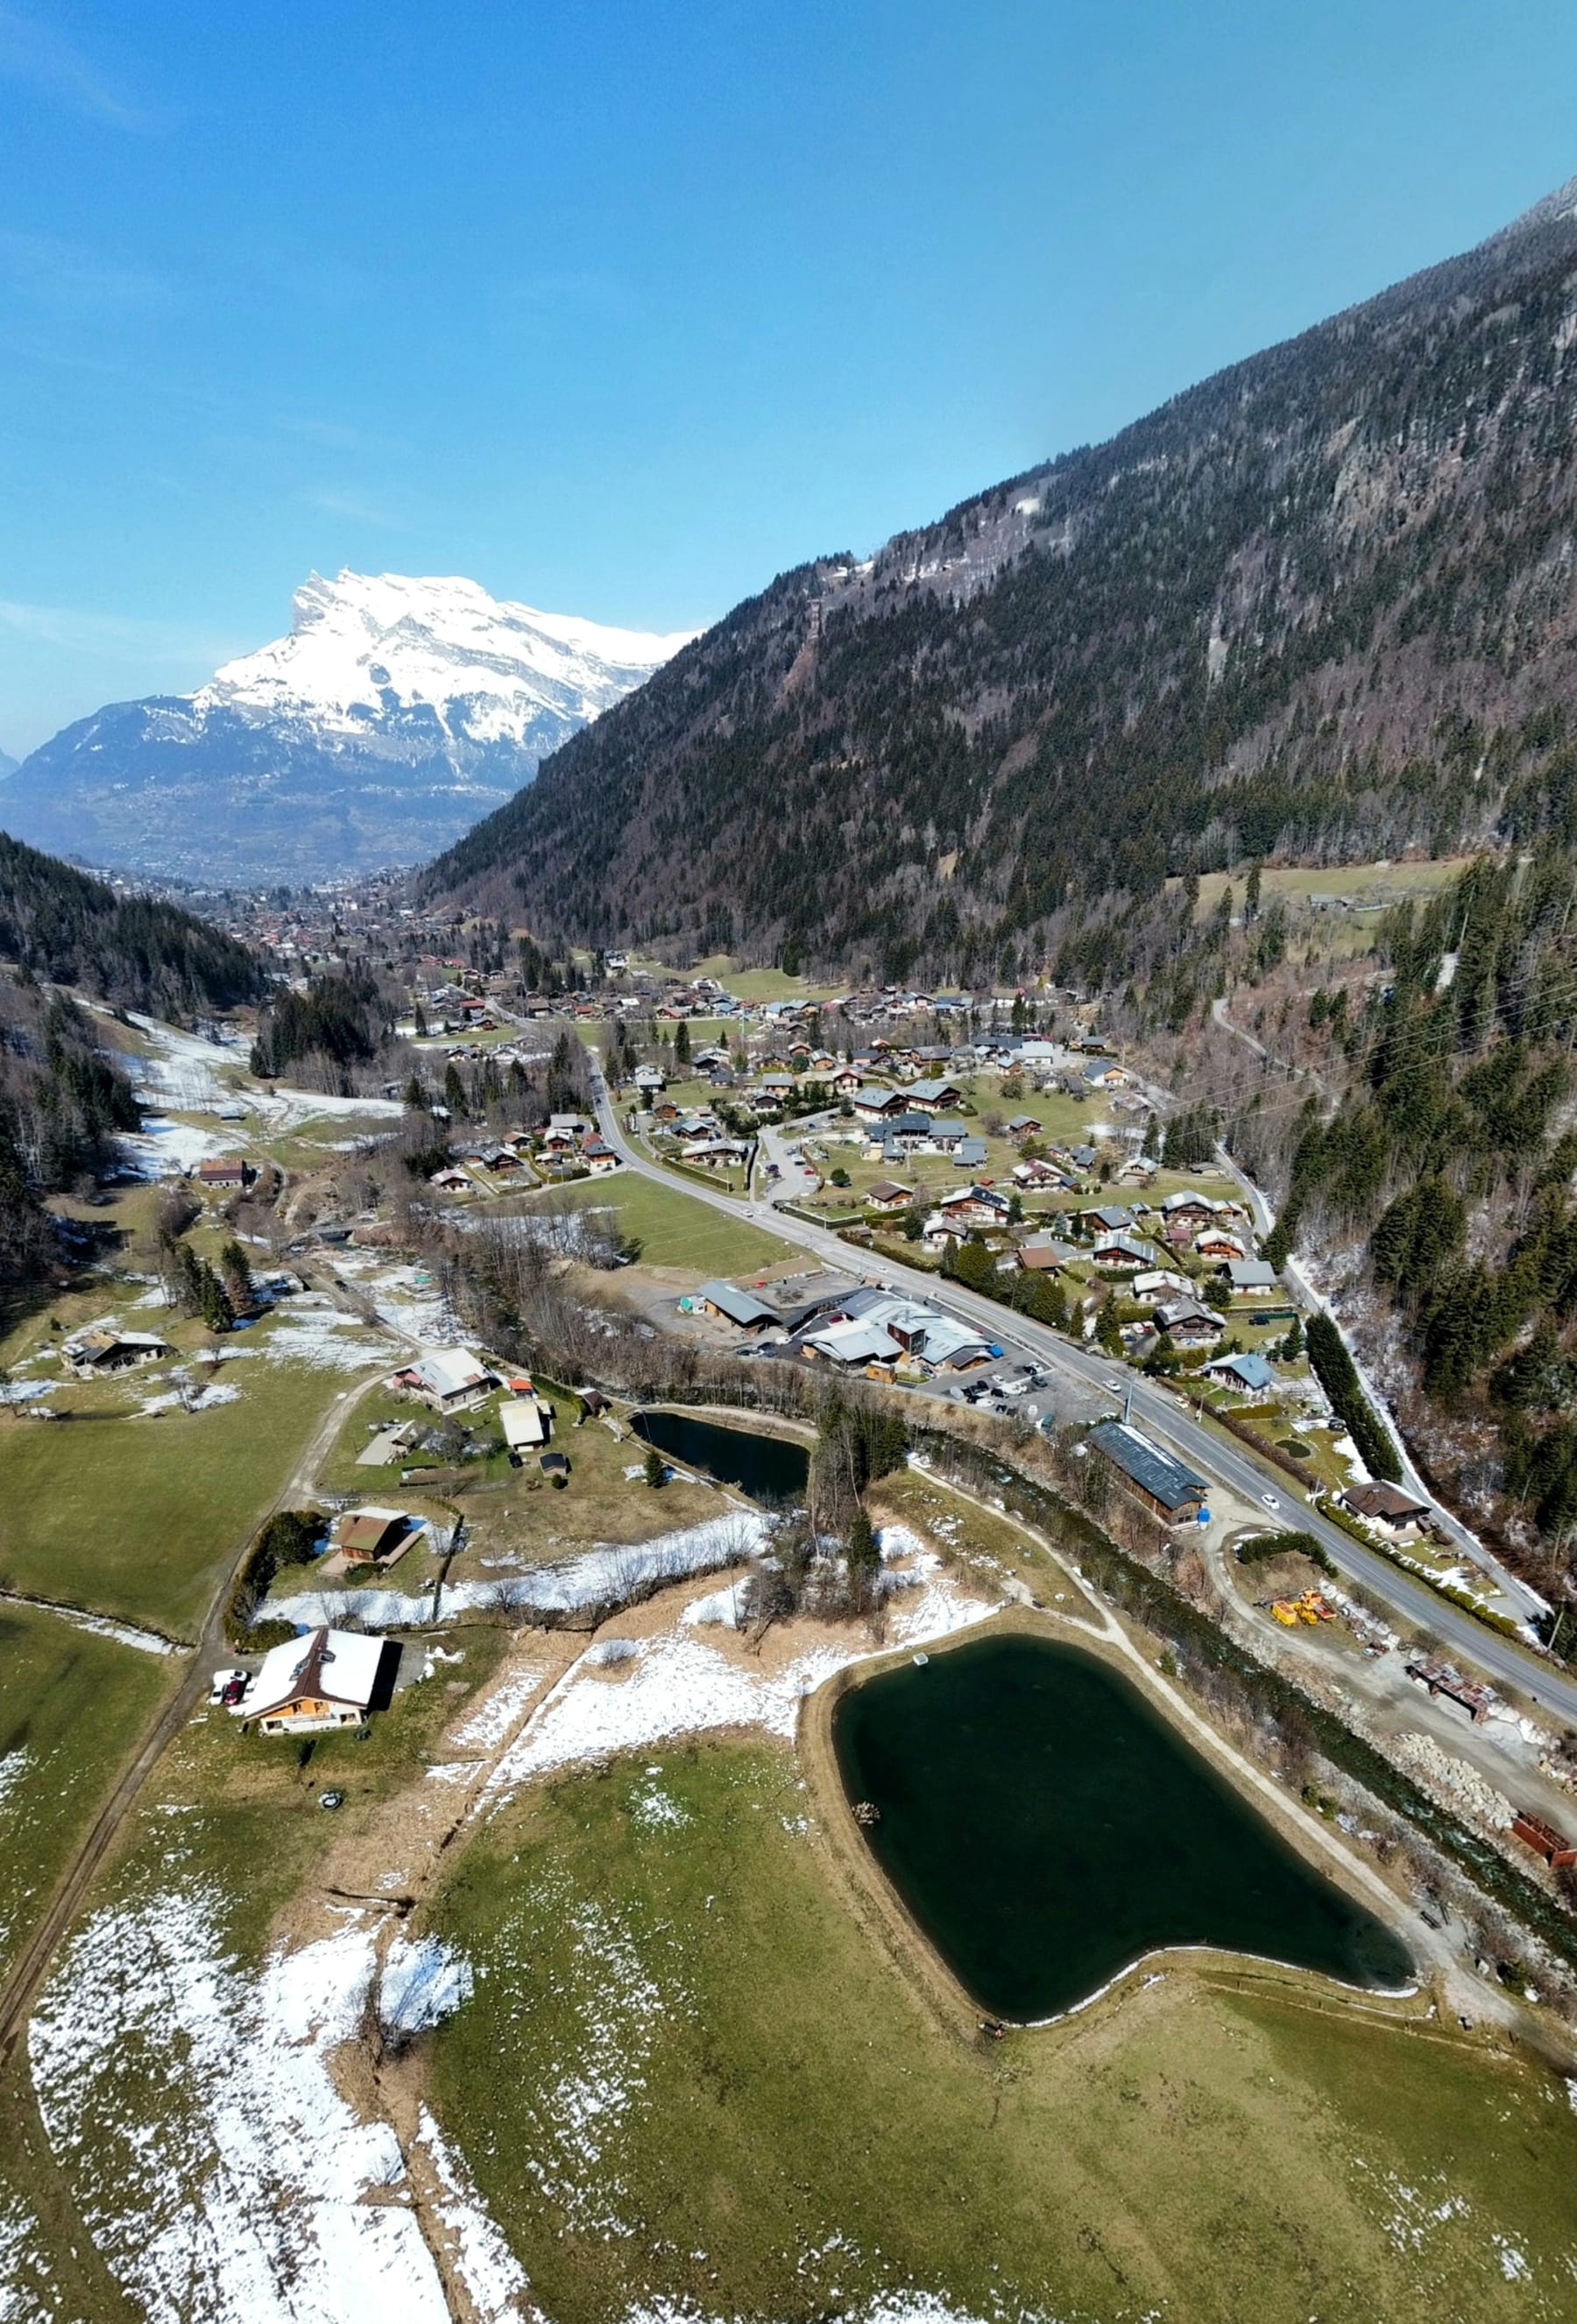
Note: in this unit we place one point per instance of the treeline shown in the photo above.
(339, 1022)
(1451, 1154)
(62, 1098)
(130, 950)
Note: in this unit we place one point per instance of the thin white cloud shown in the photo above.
(44, 57)
(65, 277)
(352, 505)
(117, 637)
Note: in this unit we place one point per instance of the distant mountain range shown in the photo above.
(1323, 605)
(393, 714)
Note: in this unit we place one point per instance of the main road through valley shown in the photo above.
(1217, 1458)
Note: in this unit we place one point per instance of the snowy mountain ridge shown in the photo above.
(394, 713)
(489, 668)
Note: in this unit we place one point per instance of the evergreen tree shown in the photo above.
(653, 1469)
(863, 1550)
(214, 1307)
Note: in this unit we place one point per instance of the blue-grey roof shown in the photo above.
(739, 1306)
(1168, 1480)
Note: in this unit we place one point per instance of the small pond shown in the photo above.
(1046, 1827)
(768, 1468)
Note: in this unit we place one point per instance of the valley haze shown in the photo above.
(393, 713)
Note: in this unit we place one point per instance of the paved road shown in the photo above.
(1213, 1454)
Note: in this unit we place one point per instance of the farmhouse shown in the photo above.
(446, 1379)
(1155, 1478)
(98, 1353)
(374, 1537)
(225, 1170)
(329, 1678)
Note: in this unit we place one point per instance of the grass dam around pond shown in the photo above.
(1046, 1827)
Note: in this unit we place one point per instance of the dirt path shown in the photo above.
(31, 1964)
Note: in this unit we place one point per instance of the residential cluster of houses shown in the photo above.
(569, 1147)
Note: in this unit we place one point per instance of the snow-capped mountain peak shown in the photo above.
(364, 644)
(395, 711)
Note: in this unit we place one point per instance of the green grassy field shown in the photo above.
(762, 984)
(139, 1517)
(231, 1821)
(676, 1231)
(782, 2129)
(1366, 886)
(72, 1707)
(513, 1510)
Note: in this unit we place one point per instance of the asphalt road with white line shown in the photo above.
(1216, 1457)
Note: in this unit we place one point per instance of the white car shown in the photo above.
(1270, 1500)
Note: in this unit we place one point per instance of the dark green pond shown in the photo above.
(1046, 1827)
(767, 1468)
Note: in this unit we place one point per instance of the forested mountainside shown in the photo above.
(1410, 1104)
(1322, 605)
(61, 1093)
(132, 951)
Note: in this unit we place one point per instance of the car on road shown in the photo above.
(1272, 1500)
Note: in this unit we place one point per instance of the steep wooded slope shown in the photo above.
(1324, 602)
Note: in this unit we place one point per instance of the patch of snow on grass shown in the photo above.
(608, 2005)
(316, 1335)
(600, 1577)
(217, 2165)
(12, 1767)
(493, 2279)
(681, 1685)
(492, 1718)
(163, 1148)
(188, 1399)
(422, 1984)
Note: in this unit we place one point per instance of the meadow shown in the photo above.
(674, 1229)
(73, 1708)
(784, 2126)
(140, 1517)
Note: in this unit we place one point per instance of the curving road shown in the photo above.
(1214, 1455)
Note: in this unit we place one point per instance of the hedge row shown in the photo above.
(1337, 1376)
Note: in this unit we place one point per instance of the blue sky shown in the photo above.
(622, 306)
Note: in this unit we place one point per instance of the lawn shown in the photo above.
(512, 1512)
(1367, 887)
(75, 1707)
(762, 984)
(675, 1230)
(140, 1517)
(782, 2129)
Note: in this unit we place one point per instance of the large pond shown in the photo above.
(768, 1468)
(1046, 1827)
